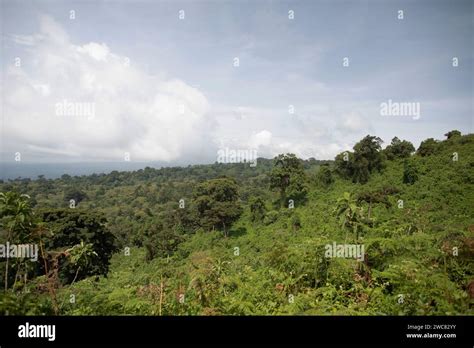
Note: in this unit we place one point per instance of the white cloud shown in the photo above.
(270, 146)
(353, 122)
(311, 132)
(96, 51)
(262, 138)
(147, 116)
(306, 149)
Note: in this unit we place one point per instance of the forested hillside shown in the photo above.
(233, 239)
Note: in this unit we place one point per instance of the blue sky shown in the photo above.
(166, 89)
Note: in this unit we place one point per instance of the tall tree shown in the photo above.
(16, 221)
(217, 204)
(257, 209)
(343, 164)
(368, 154)
(71, 227)
(81, 255)
(162, 236)
(427, 147)
(453, 134)
(324, 175)
(289, 178)
(377, 196)
(410, 173)
(349, 214)
(366, 158)
(399, 149)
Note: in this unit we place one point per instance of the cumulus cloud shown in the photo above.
(270, 146)
(86, 102)
(262, 138)
(306, 149)
(352, 122)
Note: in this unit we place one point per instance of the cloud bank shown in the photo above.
(85, 102)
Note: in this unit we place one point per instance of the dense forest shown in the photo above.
(235, 239)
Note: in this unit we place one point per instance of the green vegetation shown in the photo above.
(233, 239)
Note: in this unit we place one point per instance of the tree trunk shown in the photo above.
(161, 293)
(282, 197)
(6, 276)
(17, 275)
(25, 290)
(6, 266)
(49, 279)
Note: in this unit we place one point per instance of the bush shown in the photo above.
(410, 173)
(71, 227)
(271, 217)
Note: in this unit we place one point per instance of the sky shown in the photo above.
(176, 81)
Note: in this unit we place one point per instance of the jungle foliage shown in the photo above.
(233, 239)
